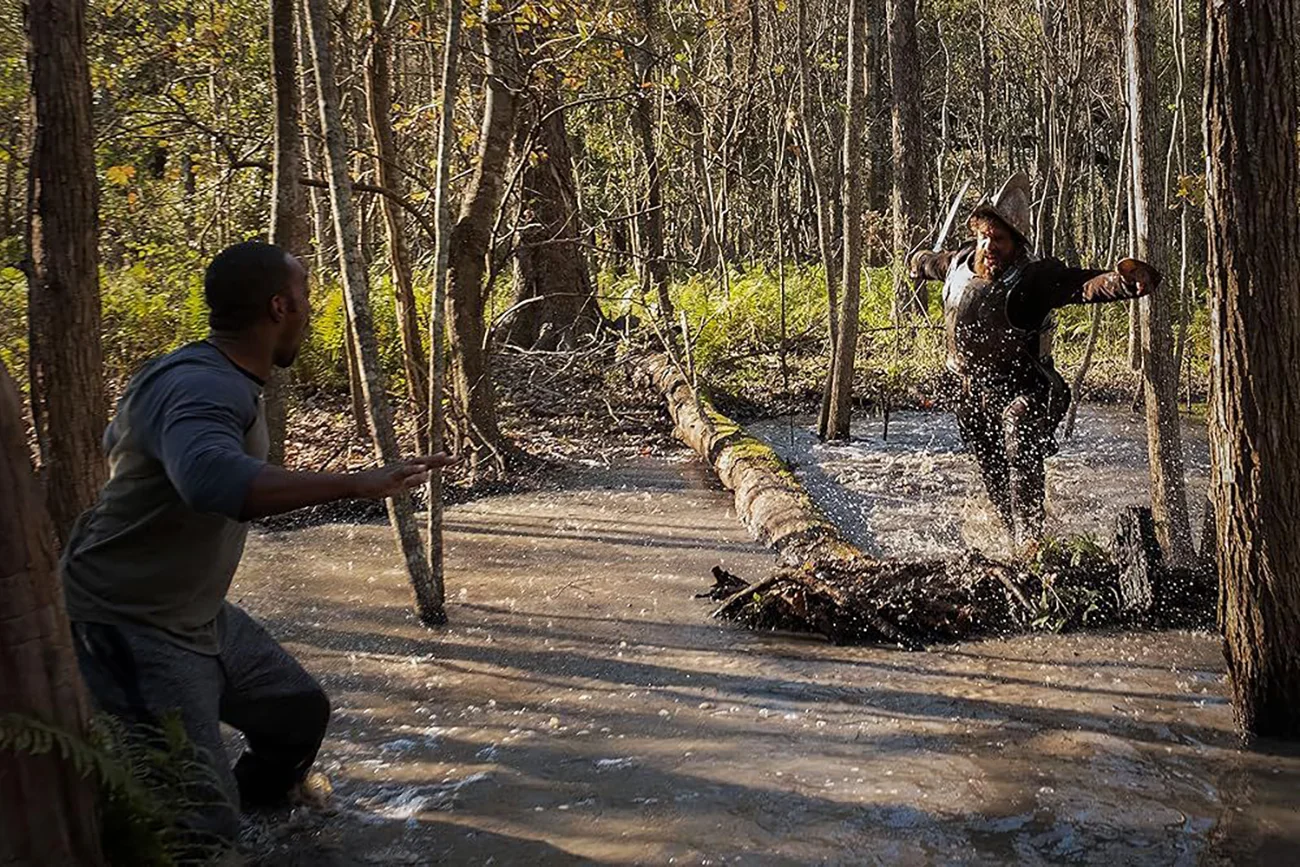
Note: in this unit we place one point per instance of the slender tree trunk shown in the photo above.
(835, 424)
(49, 814)
(1252, 190)
(1160, 377)
(379, 88)
(651, 222)
(438, 312)
(356, 294)
(67, 368)
(909, 146)
(471, 237)
(290, 228)
(817, 175)
(879, 107)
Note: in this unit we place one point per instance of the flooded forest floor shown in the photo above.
(582, 708)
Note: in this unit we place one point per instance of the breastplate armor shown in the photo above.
(982, 342)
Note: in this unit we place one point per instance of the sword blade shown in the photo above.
(952, 216)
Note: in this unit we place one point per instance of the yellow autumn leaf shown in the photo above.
(120, 175)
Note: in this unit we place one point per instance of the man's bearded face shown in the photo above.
(996, 248)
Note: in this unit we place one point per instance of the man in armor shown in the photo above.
(998, 303)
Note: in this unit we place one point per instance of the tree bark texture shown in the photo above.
(388, 174)
(839, 410)
(471, 237)
(549, 260)
(356, 296)
(49, 810)
(1151, 225)
(290, 222)
(909, 145)
(67, 368)
(1253, 221)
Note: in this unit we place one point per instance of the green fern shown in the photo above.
(147, 777)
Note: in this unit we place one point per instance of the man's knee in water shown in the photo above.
(1023, 430)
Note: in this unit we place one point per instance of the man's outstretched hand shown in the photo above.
(1140, 274)
(395, 478)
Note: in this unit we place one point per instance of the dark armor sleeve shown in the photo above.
(1048, 284)
(933, 266)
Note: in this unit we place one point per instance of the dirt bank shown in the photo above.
(582, 709)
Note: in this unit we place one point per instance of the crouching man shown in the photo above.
(146, 569)
(1003, 385)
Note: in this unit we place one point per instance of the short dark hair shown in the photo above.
(241, 280)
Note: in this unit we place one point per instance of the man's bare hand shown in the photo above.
(1139, 273)
(393, 479)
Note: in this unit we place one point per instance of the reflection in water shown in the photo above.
(918, 493)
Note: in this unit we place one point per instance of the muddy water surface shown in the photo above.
(907, 487)
(581, 708)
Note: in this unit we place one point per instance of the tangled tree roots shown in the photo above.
(826, 586)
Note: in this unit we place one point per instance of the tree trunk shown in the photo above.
(49, 810)
(1164, 441)
(290, 228)
(549, 260)
(356, 295)
(1251, 212)
(835, 421)
(815, 171)
(651, 222)
(67, 367)
(879, 101)
(471, 237)
(909, 147)
(388, 175)
(438, 313)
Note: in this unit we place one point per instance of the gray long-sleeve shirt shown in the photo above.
(161, 544)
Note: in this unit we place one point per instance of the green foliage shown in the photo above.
(749, 318)
(13, 323)
(1063, 603)
(147, 777)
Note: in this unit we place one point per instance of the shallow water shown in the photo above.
(917, 492)
(582, 708)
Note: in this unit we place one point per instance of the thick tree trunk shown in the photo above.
(388, 175)
(290, 225)
(67, 368)
(839, 409)
(909, 148)
(1252, 189)
(49, 811)
(549, 260)
(1160, 377)
(356, 294)
(471, 237)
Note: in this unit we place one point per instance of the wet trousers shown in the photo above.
(139, 676)
(1011, 428)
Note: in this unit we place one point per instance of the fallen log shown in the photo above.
(825, 585)
(769, 499)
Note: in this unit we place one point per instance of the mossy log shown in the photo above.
(823, 584)
(769, 499)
